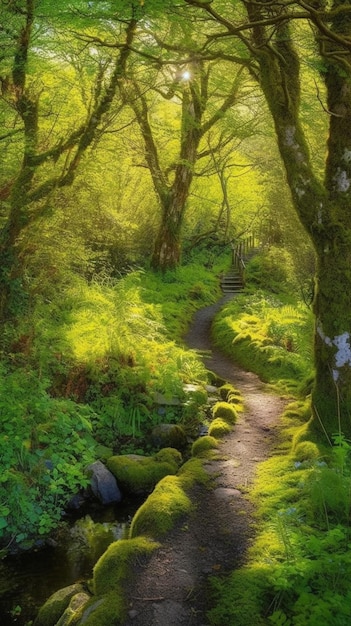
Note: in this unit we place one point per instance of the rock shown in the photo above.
(226, 493)
(169, 435)
(139, 474)
(103, 484)
(56, 605)
(76, 603)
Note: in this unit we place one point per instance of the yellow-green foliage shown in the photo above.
(204, 445)
(114, 566)
(292, 575)
(218, 428)
(225, 411)
(268, 337)
(163, 507)
(140, 474)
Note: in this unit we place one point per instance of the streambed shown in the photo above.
(29, 578)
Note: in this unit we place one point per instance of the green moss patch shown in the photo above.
(56, 605)
(226, 411)
(167, 503)
(204, 445)
(114, 566)
(139, 474)
(219, 428)
(104, 611)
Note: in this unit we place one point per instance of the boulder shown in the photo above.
(56, 605)
(103, 483)
(169, 435)
(139, 474)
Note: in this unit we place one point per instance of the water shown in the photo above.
(29, 578)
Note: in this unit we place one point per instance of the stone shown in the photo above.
(76, 603)
(103, 484)
(56, 605)
(169, 435)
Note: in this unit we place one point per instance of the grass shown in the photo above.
(268, 337)
(299, 564)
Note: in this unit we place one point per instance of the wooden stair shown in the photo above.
(232, 282)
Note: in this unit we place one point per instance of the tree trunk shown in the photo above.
(324, 212)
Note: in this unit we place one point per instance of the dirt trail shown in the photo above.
(171, 590)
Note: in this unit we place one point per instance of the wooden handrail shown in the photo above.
(239, 251)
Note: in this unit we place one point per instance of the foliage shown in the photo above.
(44, 446)
(83, 369)
(300, 561)
(267, 336)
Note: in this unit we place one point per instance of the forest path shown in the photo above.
(171, 590)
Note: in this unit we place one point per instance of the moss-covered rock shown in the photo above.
(72, 614)
(139, 474)
(105, 611)
(203, 445)
(55, 606)
(114, 567)
(192, 472)
(225, 391)
(226, 411)
(162, 508)
(169, 435)
(219, 428)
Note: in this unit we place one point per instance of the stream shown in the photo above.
(29, 578)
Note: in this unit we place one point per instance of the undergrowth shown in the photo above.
(85, 369)
(268, 337)
(299, 566)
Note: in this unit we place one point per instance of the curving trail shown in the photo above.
(171, 589)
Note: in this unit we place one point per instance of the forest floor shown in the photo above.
(171, 589)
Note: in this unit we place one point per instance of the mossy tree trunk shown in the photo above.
(323, 207)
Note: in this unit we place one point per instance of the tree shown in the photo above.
(203, 106)
(270, 34)
(50, 159)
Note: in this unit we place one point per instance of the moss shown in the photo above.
(169, 435)
(169, 455)
(162, 508)
(192, 472)
(56, 605)
(306, 451)
(105, 611)
(138, 474)
(219, 428)
(203, 445)
(73, 613)
(114, 566)
(226, 411)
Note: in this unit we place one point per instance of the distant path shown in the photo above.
(172, 589)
